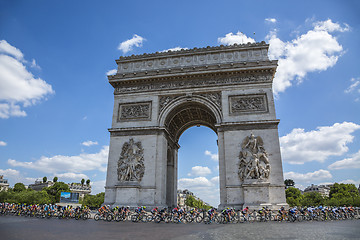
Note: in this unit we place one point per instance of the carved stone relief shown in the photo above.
(165, 100)
(252, 103)
(254, 162)
(214, 97)
(131, 163)
(181, 84)
(135, 111)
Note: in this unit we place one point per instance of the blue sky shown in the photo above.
(56, 102)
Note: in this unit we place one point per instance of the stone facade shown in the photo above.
(324, 190)
(158, 96)
(39, 185)
(81, 189)
(4, 185)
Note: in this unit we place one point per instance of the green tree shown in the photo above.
(55, 179)
(293, 196)
(82, 181)
(344, 194)
(88, 182)
(19, 187)
(55, 190)
(289, 183)
(44, 179)
(93, 200)
(312, 199)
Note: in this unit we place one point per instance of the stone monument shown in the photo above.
(158, 96)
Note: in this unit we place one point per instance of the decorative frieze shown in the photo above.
(131, 167)
(193, 57)
(250, 103)
(189, 82)
(135, 111)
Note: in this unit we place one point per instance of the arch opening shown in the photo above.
(187, 115)
(182, 117)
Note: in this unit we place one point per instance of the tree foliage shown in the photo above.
(55, 179)
(44, 179)
(82, 181)
(340, 195)
(192, 202)
(19, 187)
(289, 183)
(27, 196)
(93, 200)
(293, 196)
(88, 182)
(55, 190)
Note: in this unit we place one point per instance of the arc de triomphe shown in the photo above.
(158, 96)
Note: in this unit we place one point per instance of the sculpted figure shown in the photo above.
(131, 163)
(254, 162)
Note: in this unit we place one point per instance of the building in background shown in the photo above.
(4, 185)
(74, 187)
(79, 188)
(324, 190)
(182, 195)
(39, 184)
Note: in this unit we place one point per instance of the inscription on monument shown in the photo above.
(131, 163)
(135, 111)
(248, 104)
(254, 162)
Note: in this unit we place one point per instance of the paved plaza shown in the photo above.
(12, 228)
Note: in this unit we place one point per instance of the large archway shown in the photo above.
(180, 118)
(158, 96)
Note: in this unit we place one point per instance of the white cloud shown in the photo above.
(72, 176)
(347, 163)
(111, 72)
(354, 87)
(6, 48)
(330, 26)
(186, 183)
(174, 49)
(316, 50)
(299, 146)
(351, 181)
(215, 180)
(239, 38)
(18, 86)
(3, 144)
(206, 190)
(308, 177)
(97, 187)
(213, 156)
(89, 143)
(199, 171)
(128, 45)
(62, 164)
(34, 65)
(9, 173)
(270, 20)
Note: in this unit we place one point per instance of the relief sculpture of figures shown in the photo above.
(254, 162)
(131, 163)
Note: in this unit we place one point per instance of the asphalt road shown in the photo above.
(12, 228)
